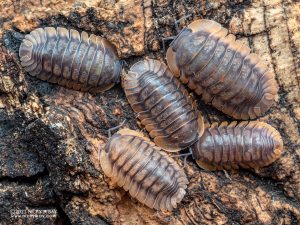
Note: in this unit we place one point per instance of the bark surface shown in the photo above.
(49, 135)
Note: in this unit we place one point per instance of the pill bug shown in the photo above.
(150, 175)
(163, 105)
(74, 60)
(222, 70)
(247, 144)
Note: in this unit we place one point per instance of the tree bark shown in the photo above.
(49, 135)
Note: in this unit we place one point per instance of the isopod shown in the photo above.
(133, 162)
(163, 105)
(247, 144)
(222, 70)
(68, 58)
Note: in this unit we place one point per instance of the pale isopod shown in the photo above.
(150, 175)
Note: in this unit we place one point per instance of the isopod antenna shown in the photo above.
(176, 22)
(115, 128)
(109, 136)
(186, 155)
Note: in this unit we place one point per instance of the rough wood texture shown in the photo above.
(49, 135)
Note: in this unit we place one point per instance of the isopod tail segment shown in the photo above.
(232, 145)
(109, 136)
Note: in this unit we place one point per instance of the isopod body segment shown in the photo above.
(150, 175)
(222, 70)
(247, 145)
(71, 59)
(162, 104)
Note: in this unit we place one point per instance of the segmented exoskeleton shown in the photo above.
(150, 175)
(222, 70)
(163, 105)
(71, 59)
(247, 144)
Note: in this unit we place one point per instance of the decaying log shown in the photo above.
(49, 135)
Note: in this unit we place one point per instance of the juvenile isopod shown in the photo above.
(68, 58)
(163, 105)
(150, 175)
(222, 70)
(247, 144)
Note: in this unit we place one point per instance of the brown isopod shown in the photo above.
(149, 174)
(247, 144)
(163, 105)
(222, 70)
(74, 60)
